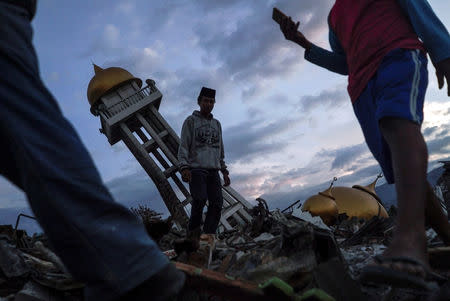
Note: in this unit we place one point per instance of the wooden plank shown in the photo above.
(236, 195)
(228, 201)
(232, 202)
(231, 210)
(158, 140)
(245, 214)
(220, 285)
(238, 219)
(228, 204)
(225, 223)
(231, 199)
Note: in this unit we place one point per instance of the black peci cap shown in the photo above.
(207, 92)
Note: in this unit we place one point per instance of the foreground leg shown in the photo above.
(409, 160)
(101, 242)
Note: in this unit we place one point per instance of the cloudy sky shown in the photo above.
(288, 125)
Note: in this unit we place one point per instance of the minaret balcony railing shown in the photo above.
(127, 102)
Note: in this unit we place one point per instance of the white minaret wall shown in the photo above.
(119, 94)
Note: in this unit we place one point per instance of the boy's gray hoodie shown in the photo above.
(201, 144)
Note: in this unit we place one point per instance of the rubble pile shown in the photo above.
(29, 270)
(282, 255)
(306, 254)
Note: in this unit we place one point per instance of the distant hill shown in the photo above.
(387, 193)
(8, 216)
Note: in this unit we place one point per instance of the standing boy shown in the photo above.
(201, 156)
(376, 43)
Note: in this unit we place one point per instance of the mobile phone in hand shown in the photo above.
(278, 15)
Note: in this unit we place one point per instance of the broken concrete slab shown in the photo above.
(33, 291)
(306, 216)
(11, 261)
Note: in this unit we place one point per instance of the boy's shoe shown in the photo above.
(163, 286)
(189, 244)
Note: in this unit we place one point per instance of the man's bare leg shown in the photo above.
(409, 158)
(435, 217)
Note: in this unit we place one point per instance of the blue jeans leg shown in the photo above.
(215, 202)
(197, 187)
(101, 242)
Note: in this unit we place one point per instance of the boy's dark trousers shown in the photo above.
(205, 185)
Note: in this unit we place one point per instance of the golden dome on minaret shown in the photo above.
(106, 80)
(358, 201)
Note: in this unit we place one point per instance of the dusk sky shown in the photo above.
(288, 125)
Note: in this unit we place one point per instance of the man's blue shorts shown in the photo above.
(396, 90)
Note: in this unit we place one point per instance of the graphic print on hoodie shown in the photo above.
(201, 144)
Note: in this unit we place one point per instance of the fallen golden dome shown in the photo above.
(106, 80)
(358, 201)
(324, 205)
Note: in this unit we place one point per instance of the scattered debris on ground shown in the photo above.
(287, 255)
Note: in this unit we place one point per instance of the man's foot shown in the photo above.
(402, 272)
(163, 286)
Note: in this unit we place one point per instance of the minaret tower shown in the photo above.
(129, 113)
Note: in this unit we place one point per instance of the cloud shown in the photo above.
(345, 156)
(107, 43)
(125, 7)
(283, 198)
(253, 138)
(247, 44)
(439, 146)
(444, 132)
(139, 61)
(334, 97)
(136, 189)
(430, 130)
(10, 195)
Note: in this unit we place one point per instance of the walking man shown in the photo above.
(376, 43)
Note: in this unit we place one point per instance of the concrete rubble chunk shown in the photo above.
(50, 256)
(264, 237)
(33, 291)
(11, 262)
(306, 216)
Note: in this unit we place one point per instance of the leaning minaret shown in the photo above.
(129, 113)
